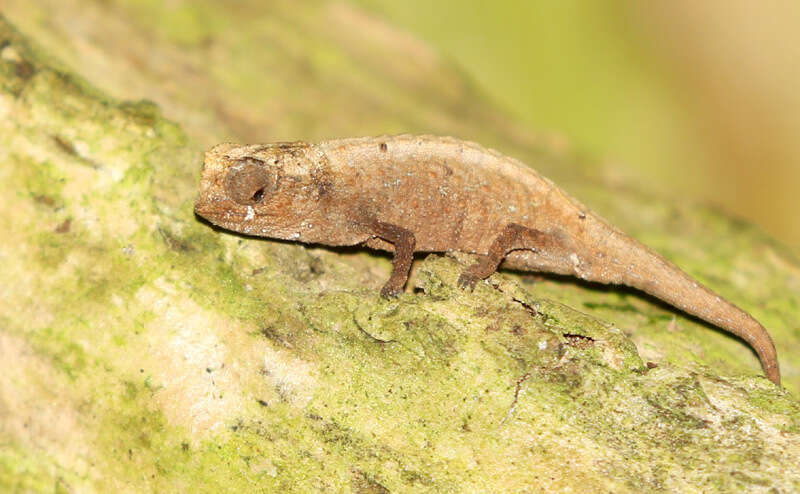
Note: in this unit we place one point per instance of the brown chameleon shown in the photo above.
(407, 194)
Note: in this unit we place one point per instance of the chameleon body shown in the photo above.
(407, 194)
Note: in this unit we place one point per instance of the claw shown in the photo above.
(467, 281)
(388, 292)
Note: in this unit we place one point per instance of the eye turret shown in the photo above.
(248, 182)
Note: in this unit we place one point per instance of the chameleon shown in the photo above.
(420, 193)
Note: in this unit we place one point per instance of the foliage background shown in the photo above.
(689, 99)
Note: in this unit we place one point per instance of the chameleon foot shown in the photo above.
(467, 281)
(389, 291)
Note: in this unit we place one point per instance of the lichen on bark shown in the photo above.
(146, 351)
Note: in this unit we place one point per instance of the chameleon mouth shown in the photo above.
(231, 219)
(205, 210)
(214, 214)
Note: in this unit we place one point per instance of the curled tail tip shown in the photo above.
(773, 373)
(759, 339)
(769, 360)
(768, 357)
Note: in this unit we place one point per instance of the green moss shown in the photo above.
(42, 181)
(22, 470)
(53, 248)
(57, 345)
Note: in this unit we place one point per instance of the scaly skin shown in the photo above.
(409, 194)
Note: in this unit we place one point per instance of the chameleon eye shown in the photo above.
(248, 182)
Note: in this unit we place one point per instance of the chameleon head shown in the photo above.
(267, 190)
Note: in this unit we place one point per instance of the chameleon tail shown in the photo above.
(653, 274)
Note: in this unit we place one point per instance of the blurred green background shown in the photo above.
(690, 99)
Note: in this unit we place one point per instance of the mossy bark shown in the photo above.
(145, 351)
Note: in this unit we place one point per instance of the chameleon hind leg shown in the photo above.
(513, 237)
(404, 243)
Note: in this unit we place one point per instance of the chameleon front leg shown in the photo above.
(404, 244)
(513, 237)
